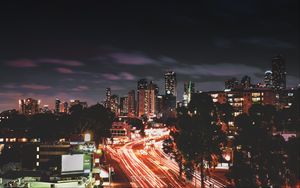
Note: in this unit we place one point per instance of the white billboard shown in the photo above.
(72, 163)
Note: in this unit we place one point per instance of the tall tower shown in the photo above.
(142, 97)
(152, 92)
(146, 97)
(108, 97)
(278, 72)
(57, 105)
(189, 89)
(268, 79)
(124, 106)
(131, 103)
(170, 83)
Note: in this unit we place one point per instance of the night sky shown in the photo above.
(75, 50)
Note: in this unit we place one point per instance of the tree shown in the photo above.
(199, 138)
(96, 119)
(169, 148)
(260, 159)
(225, 112)
(138, 124)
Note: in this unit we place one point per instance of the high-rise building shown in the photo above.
(131, 103)
(114, 104)
(246, 82)
(108, 98)
(152, 92)
(64, 107)
(189, 89)
(231, 83)
(278, 72)
(146, 98)
(142, 97)
(57, 105)
(268, 79)
(170, 83)
(124, 106)
(29, 106)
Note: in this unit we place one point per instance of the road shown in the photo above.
(152, 167)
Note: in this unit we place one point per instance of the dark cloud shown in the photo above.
(71, 63)
(131, 58)
(21, 63)
(75, 51)
(267, 42)
(64, 70)
(36, 87)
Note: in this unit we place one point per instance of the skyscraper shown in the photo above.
(278, 72)
(64, 107)
(142, 97)
(108, 96)
(268, 79)
(170, 83)
(124, 106)
(246, 82)
(189, 89)
(29, 106)
(152, 92)
(131, 103)
(57, 105)
(114, 104)
(147, 93)
(231, 83)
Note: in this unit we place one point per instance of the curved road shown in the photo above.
(151, 167)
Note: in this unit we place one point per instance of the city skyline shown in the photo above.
(43, 58)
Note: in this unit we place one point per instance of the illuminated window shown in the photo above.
(256, 99)
(37, 148)
(37, 163)
(255, 94)
(37, 156)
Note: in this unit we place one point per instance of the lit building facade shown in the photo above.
(278, 72)
(246, 82)
(244, 99)
(114, 104)
(78, 102)
(170, 83)
(189, 89)
(231, 83)
(131, 103)
(147, 94)
(108, 98)
(29, 106)
(142, 99)
(57, 105)
(124, 106)
(268, 79)
(64, 107)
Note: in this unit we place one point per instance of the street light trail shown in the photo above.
(135, 168)
(158, 152)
